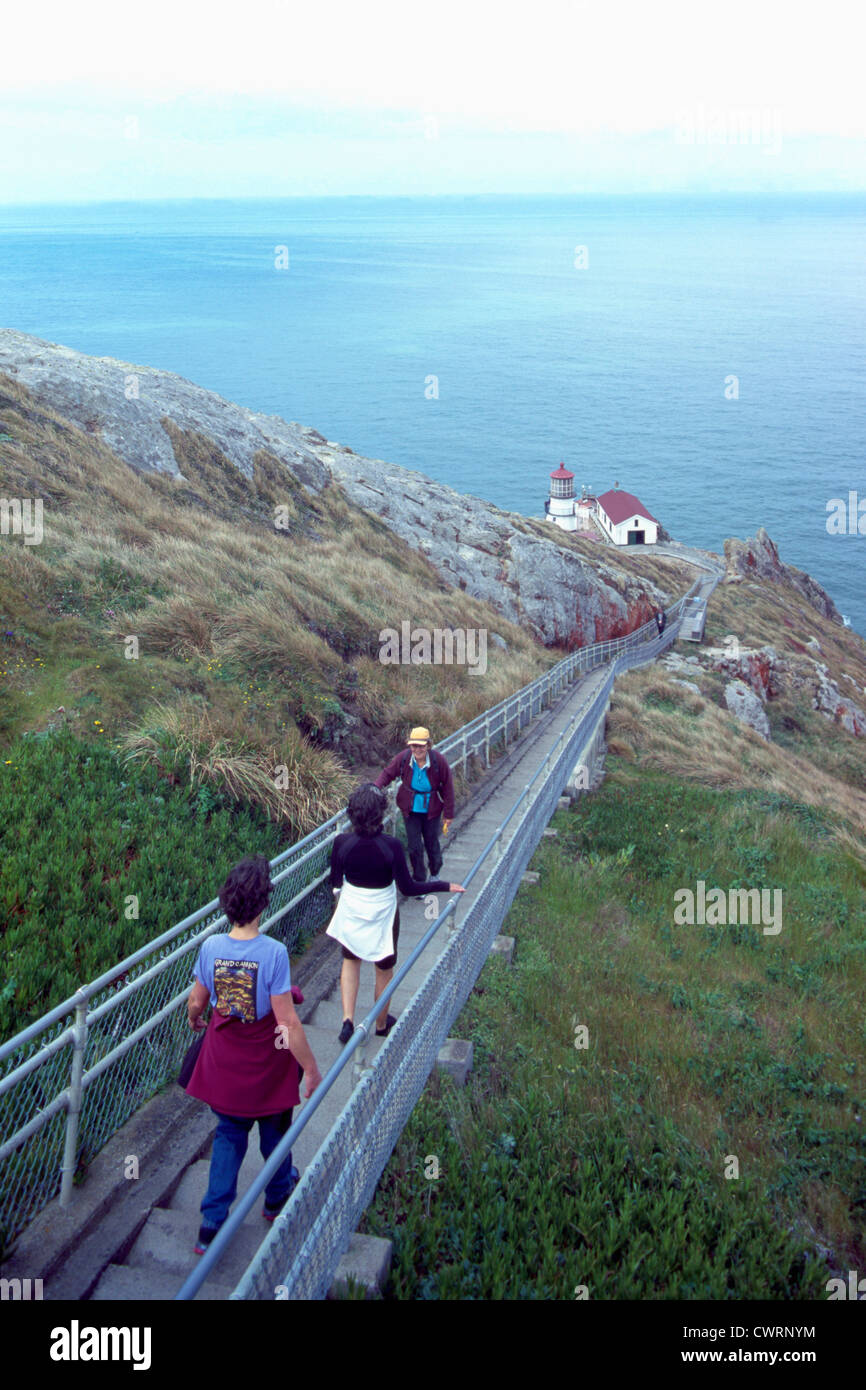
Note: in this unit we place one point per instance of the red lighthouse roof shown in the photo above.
(561, 472)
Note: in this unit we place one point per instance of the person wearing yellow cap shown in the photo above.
(425, 797)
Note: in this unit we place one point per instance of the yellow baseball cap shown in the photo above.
(419, 736)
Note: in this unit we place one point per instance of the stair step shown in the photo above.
(167, 1239)
(191, 1189)
(331, 1018)
(329, 1015)
(125, 1284)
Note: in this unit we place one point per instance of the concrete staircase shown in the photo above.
(162, 1256)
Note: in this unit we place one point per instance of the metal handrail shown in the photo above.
(234, 1221)
(566, 666)
(229, 1229)
(484, 725)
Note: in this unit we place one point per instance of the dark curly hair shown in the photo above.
(366, 808)
(247, 890)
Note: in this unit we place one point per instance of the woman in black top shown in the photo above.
(370, 862)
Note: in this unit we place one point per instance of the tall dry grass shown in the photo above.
(655, 723)
(294, 782)
(280, 630)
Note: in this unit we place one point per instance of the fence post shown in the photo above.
(548, 762)
(73, 1110)
(359, 1061)
(487, 741)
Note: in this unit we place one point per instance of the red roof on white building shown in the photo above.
(561, 472)
(621, 505)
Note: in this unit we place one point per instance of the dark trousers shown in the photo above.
(422, 833)
(229, 1148)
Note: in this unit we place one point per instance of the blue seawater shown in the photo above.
(618, 359)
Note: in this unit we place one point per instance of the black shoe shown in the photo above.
(205, 1236)
(389, 1024)
(346, 1031)
(271, 1213)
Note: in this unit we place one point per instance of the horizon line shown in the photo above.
(697, 193)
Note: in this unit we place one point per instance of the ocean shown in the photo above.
(708, 354)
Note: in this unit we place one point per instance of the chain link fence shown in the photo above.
(301, 1253)
(70, 1080)
(298, 1258)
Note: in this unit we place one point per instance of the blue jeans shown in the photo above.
(229, 1148)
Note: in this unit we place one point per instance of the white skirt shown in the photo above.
(364, 921)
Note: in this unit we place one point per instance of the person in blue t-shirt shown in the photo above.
(243, 1071)
(243, 974)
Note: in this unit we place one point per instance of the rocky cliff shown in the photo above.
(758, 558)
(563, 590)
(763, 674)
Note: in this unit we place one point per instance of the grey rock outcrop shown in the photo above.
(827, 699)
(126, 405)
(744, 704)
(758, 558)
(478, 547)
(756, 667)
(767, 675)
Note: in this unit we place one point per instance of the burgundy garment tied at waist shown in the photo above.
(241, 1070)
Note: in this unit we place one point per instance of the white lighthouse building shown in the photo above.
(560, 504)
(617, 516)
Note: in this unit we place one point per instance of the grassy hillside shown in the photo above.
(656, 724)
(99, 858)
(257, 650)
(607, 1167)
(270, 630)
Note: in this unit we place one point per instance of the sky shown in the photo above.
(105, 101)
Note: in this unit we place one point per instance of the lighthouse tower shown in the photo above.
(560, 504)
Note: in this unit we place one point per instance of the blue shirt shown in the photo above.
(421, 785)
(242, 975)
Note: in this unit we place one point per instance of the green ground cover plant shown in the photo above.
(81, 831)
(602, 1168)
